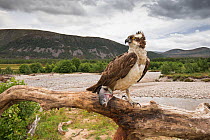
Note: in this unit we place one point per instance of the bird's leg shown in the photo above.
(129, 98)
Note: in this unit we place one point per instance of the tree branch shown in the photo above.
(134, 122)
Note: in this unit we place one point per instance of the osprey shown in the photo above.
(124, 71)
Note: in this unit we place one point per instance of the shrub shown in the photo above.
(15, 120)
(84, 67)
(206, 80)
(76, 62)
(203, 65)
(36, 67)
(171, 67)
(155, 65)
(64, 66)
(188, 80)
(97, 67)
(166, 68)
(49, 68)
(25, 69)
(8, 70)
(190, 68)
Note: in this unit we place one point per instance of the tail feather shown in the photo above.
(93, 88)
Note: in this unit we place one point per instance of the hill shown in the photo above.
(32, 44)
(153, 55)
(178, 53)
(21, 43)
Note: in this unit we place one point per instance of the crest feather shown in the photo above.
(139, 32)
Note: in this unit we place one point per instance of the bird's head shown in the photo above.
(137, 40)
(105, 94)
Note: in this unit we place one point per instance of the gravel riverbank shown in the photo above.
(146, 88)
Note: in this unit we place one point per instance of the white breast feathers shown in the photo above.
(131, 78)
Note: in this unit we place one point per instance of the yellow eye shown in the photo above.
(133, 37)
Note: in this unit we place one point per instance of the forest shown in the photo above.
(165, 65)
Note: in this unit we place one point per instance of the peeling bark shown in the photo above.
(150, 120)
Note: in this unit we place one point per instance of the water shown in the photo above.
(188, 104)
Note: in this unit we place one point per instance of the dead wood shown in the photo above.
(150, 120)
(60, 127)
(33, 126)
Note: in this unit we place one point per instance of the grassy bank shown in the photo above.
(94, 126)
(12, 66)
(205, 76)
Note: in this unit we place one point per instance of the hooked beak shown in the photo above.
(128, 40)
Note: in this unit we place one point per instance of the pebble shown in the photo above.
(146, 88)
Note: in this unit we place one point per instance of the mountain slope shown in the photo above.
(153, 55)
(19, 43)
(198, 52)
(23, 43)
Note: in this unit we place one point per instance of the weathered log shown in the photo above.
(149, 120)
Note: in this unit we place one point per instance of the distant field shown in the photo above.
(12, 66)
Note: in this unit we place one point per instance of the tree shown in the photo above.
(191, 68)
(25, 69)
(84, 67)
(8, 70)
(203, 65)
(165, 68)
(48, 68)
(64, 66)
(76, 62)
(171, 67)
(36, 67)
(134, 122)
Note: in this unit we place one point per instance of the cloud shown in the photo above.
(68, 7)
(179, 9)
(114, 19)
(52, 7)
(5, 18)
(181, 41)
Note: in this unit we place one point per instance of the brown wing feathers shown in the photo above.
(115, 70)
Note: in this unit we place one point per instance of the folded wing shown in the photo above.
(115, 70)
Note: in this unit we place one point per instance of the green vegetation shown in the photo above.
(27, 61)
(37, 44)
(200, 65)
(205, 76)
(96, 124)
(36, 68)
(58, 66)
(64, 66)
(76, 62)
(14, 121)
(182, 69)
(167, 66)
(25, 69)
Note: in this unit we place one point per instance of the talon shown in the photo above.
(138, 104)
(134, 103)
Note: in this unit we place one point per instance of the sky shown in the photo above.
(167, 24)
